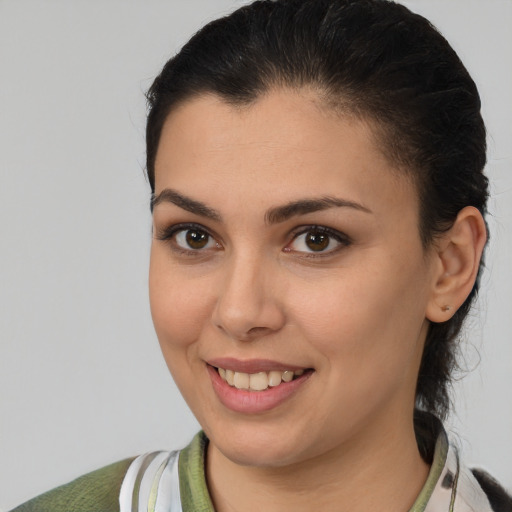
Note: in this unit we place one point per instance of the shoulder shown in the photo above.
(98, 490)
(478, 491)
(451, 485)
(143, 482)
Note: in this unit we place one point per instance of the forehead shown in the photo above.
(286, 143)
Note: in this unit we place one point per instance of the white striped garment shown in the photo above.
(152, 484)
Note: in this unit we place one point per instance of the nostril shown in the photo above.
(246, 320)
(254, 331)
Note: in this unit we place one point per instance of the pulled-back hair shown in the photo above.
(372, 59)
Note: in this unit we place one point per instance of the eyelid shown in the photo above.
(342, 239)
(168, 233)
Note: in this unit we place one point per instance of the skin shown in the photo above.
(357, 313)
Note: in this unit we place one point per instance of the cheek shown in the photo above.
(366, 321)
(180, 306)
(370, 352)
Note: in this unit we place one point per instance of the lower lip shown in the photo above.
(253, 402)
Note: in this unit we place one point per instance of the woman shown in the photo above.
(318, 202)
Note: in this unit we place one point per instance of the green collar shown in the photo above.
(191, 468)
(438, 464)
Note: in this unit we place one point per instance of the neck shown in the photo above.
(386, 474)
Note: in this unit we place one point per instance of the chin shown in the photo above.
(259, 445)
(258, 456)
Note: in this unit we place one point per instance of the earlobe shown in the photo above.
(458, 258)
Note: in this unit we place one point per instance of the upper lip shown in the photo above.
(252, 365)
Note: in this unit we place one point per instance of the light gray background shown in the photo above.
(82, 381)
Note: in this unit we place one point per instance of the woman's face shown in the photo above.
(286, 246)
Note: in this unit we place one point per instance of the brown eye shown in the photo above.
(194, 239)
(317, 241)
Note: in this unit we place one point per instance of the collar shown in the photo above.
(450, 486)
(191, 466)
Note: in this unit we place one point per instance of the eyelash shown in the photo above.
(342, 239)
(168, 235)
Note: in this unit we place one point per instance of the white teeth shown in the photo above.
(287, 376)
(241, 380)
(257, 381)
(274, 379)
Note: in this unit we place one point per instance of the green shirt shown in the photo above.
(123, 486)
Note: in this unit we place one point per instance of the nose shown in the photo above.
(248, 305)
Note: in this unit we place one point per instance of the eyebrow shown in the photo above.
(186, 203)
(274, 215)
(304, 206)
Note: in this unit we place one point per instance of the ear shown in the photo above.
(457, 259)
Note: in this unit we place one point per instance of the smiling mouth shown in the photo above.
(259, 381)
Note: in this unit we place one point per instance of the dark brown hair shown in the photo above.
(376, 60)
